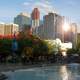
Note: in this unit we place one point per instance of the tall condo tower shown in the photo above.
(35, 16)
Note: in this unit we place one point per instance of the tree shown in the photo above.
(39, 46)
(5, 48)
(40, 49)
(53, 46)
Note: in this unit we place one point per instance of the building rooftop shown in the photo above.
(2, 23)
(9, 24)
(25, 14)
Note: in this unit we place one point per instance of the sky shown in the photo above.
(68, 8)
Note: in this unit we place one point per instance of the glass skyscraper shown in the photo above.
(22, 19)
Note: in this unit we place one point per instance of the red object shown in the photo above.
(35, 14)
(8, 36)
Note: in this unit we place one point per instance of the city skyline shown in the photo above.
(67, 8)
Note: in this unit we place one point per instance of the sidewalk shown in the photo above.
(13, 67)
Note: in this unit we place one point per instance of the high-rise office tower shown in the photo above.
(41, 31)
(74, 34)
(22, 19)
(35, 16)
(71, 34)
(52, 26)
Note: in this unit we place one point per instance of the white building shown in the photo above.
(2, 29)
(8, 29)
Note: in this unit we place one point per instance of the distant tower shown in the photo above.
(22, 19)
(52, 27)
(74, 34)
(35, 20)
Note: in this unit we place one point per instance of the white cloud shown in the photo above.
(44, 6)
(26, 3)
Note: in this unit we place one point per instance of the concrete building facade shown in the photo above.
(2, 29)
(8, 29)
(35, 16)
(71, 34)
(52, 26)
(74, 34)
